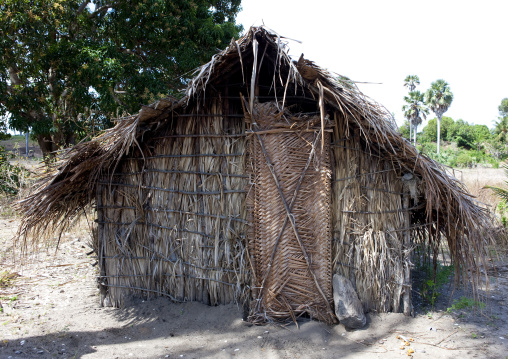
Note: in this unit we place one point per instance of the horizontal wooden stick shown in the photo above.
(163, 259)
(160, 209)
(211, 135)
(166, 275)
(391, 211)
(364, 174)
(172, 190)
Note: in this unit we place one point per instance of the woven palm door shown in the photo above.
(290, 240)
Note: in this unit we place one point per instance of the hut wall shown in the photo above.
(371, 243)
(173, 221)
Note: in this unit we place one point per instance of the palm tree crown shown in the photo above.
(411, 81)
(414, 109)
(439, 97)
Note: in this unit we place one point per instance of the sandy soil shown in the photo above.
(51, 310)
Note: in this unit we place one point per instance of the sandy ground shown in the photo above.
(51, 310)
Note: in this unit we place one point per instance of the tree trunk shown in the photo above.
(48, 147)
(415, 132)
(26, 143)
(438, 132)
(410, 130)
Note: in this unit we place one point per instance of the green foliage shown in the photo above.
(411, 81)
(64, 61)
(404, 129)
(474, 144)
(3, 128)
(470, 136)
(502, 211)
(501, 130)
(464, 160)
(503, 108)
(12, 177)
(430, 130)
(430, 287)
(439, 97)
(414, 109)
(465, 303)
(447, 157)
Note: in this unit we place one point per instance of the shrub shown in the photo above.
(12, 177)
(465, 303)
(430, 288)
(464, 160)
(502, 210)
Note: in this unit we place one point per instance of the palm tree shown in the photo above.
(501, 129)
(410, 82)
(439, 98)
(415, 110)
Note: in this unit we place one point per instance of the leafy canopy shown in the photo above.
(430, 130)
(467, 136)
(415, 109)
(411, 81)
(503, 108)
(68, 65)
(439, 97)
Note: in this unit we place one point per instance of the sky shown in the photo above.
(381, 42)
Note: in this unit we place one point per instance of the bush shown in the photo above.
(430, 288)
(502, 210)
(465, 160)
(465, 303)
(12, 177)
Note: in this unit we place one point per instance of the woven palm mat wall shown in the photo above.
(293, 272)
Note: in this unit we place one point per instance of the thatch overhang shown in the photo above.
(447, 212)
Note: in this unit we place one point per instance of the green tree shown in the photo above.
(62, 62)
(503, 108)
(430, 130)
(439, 98)
(481, 134)
(501, 126)
(415, 110)
(404, 130)
(411, 81)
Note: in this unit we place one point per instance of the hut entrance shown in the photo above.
(290, 240)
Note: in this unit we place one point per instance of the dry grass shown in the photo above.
(475, 181)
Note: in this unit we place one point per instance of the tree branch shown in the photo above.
(102, 9)
(13, 75)
(117, 100)
(132, 52)
(82, 7)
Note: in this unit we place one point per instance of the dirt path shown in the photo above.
(52, 311)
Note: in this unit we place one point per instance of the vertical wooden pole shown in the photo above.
(406, 297)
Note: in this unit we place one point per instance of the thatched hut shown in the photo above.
(267, 177)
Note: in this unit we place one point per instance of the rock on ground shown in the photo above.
(348, 307)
